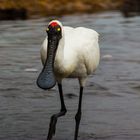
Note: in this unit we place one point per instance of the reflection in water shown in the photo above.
(111, 106)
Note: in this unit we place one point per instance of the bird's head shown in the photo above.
(54, 29)
(46, 79)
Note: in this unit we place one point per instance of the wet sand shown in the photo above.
(111, 103)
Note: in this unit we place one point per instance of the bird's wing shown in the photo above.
(82, 43)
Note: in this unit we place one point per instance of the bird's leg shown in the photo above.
(78, 114)
(54, 117)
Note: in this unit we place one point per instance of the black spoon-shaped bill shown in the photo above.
(46, 79)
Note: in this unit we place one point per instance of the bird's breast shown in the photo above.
(63, 69)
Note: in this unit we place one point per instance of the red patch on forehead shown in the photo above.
(53, 24)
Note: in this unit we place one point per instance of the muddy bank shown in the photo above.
(21, 9)
(33, 8)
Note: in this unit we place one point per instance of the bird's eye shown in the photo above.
(58, 29)
(47, 29)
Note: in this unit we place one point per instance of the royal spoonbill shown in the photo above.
(67, 53)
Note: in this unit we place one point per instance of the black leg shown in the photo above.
(54, 117)
(78, 114)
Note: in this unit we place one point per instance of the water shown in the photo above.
(111, 103)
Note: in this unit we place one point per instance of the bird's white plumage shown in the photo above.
(77, 54)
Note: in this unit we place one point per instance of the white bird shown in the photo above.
(67, 53)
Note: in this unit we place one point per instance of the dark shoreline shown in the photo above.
(12, 14)
(29, 9)
(39, 8)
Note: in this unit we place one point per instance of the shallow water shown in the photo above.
(111, 103)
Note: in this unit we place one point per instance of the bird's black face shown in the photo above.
(54, 31)
(46, 79)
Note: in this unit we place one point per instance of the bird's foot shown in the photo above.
(52, 127)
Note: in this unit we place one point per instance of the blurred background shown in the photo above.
(111, 103)
(21, 9)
